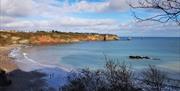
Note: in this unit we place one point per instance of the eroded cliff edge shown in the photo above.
(53, 37)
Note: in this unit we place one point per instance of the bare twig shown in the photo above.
(169, 10)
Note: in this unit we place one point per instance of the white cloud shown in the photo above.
(85, 6)
(6, 19)
(16, 7)
(59, 23)
(150, 28)
(16, 14)
(36, 7)
(111, 5)
(52, 14)
(70, 21)
(119, 5)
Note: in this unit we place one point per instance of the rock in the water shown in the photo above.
(4, 81)
(139, 57)
(146, 57)
(135, 57)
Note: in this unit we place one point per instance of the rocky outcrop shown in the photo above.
(139, 57)
(39, 38)
(143, 57)
(110, 37)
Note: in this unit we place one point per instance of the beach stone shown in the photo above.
(4, 81)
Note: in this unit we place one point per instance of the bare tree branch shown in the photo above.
(169, 10)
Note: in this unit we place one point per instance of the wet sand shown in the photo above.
(21, 81)
(26, 81)
(6, 62)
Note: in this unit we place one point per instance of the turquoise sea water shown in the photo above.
(91, 54)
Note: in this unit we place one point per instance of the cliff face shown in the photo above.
(39, 38)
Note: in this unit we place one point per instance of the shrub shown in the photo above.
(153, 79)
(119, 76)
(115, 77)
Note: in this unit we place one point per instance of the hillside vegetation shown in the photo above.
(53, 37)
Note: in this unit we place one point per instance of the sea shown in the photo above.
(164, 53)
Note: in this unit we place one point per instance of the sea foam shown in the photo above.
(26, 63)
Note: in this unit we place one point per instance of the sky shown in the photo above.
(98, 16)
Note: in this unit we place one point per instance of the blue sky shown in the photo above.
(100, 16)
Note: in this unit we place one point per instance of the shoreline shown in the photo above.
(53, 77)
(38, 79)
(27, 64)
(54, 81)
(6, 62)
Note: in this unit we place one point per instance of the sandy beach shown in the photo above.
(21, 81)
(35, 80)
(6, 62)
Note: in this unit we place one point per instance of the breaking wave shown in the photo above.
(25, 63)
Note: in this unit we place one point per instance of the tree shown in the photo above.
(169, 10)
